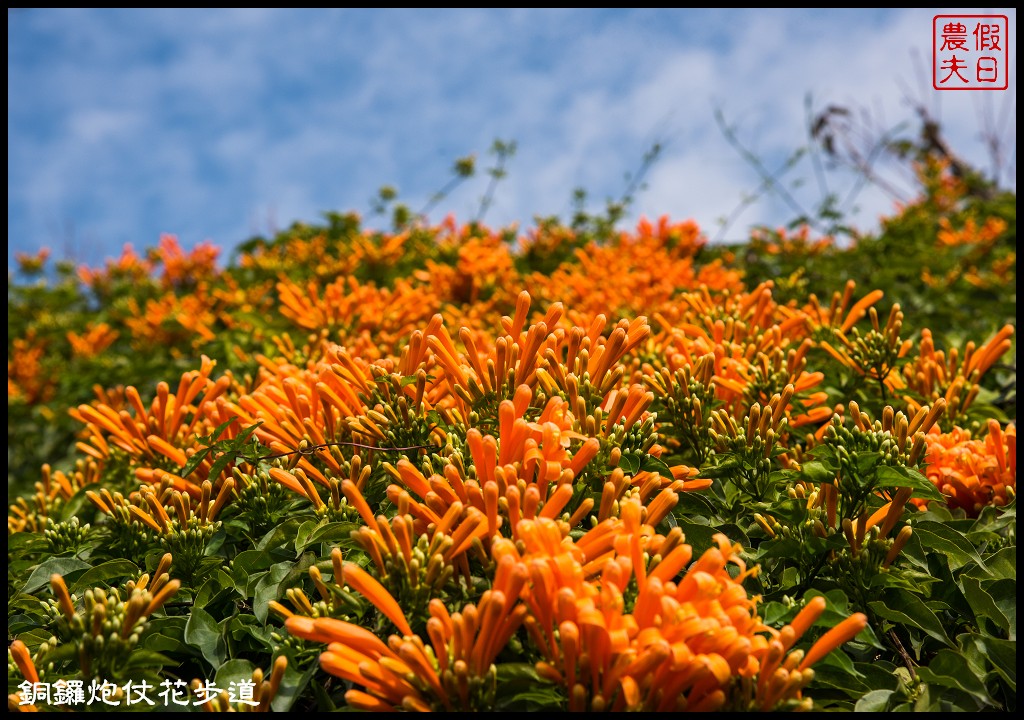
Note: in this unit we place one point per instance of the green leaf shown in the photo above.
(902, 606)
(248, 562)
(950, 669)
(200, 455)
(300, 571)
(19, 569)
(779, 547)
(249, 634)
(247, 569)
(233, 448)
(22, 622)
(171, 626)
(867, 462)
(26, 542)
(162, 643)
(790, 577)
(242, 625)
(1004, 595)
(839, 660)
(874, 701)
(196, 459)
(698, 536)
(982, 603)
(104, 572)
(900, 476)
(302, 533)
(773, 613)
(331, 532)
(36, 637)
(1003, 656)
(207, 565)
(515, 672)
(534, 700)
(1002, 564)
(268, 588)
(823, 453)
(723, 469)
(283, 534)
(214, 587)
(831, 676)
(630, 464)
(67, 567)
(324, 703)
(213, 436)
(515, 679)
(817, 472)
(215, 543)
(73, 506)
(941, 538)
(292, 686)
(995, 519)
(234, 671)
(222, 462)
(28, 603)
(694, 504)
(982, 652)
(656, 465)
(203, 633)
(878, 674)
(229, 449)
(936, 512)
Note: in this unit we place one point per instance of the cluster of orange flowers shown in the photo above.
(128, 267)
(32, 263)
(970, 233)
(93, 341)
(178, 266)
(55, 488)
(974, 473)
(520, 411)
(756, 347)
(181, 267)
(692, 641)
(782, 241)
(25, 378)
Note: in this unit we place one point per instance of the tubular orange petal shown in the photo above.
(841, 633)
(364, 701)
(376, 594)
(330, 630)
(161, 597)
(23, 660)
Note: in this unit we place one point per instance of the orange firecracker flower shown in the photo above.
(974, 473)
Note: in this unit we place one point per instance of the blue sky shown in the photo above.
(215, 125)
